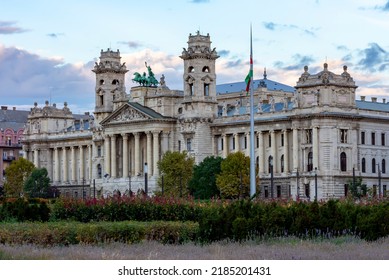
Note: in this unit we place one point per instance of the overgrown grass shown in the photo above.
(285, 248)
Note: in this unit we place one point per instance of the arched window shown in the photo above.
(282, 163)
(270, 164)
(383, 166)
(115, 82)
(191, 69)
(99, 171)
(373, 165)
(206, 69)
(191, 89)
(102, 82)
(206, 89)
(310, 162)
(343, 162)
(363, 165)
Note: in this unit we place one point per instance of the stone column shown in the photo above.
(237, 144)
(125, 155)
(36, 158)
(261, 155)
(155, 152)
(56, 160)
(315, 147)
(149, 153)
(274, 150)
(113, 156)
(136, 153)
(82, 168)
(65, 166)
(286, 152)
(107, 155)
(295, 149)
(165, 141)
(90, 155)
(73, 156)
(225, 145)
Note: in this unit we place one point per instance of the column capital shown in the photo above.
(136, 134)
(113, 136)
(155, 132)
(259, 132)
(124, 135)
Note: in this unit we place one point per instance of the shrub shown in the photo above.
(66, 233)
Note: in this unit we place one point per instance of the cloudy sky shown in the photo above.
(48, 47)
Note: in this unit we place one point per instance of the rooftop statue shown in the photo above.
(144, 80)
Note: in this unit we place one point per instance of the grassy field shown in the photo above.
(344, 248)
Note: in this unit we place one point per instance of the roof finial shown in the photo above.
(264, 74)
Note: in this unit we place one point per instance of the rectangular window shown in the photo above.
(373, 138)
(345, 190)
(307, 191)
(99, 151)
(233, 143)
(282, 140)
(189, 144)
(257, 142)
(383, 139)
(278, 191)
(245, 142)
(343, 136)
(362, 137)
(179, 145)
(266, 191)
(384, 190)
(269, 140)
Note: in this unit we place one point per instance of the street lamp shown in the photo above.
(146, 170)
(271, 177)
(379, 180)
(129, 183)
(315, 183)
(298, 184)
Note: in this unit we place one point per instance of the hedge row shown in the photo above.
(24, 210)
(244, 219)
(125, 208)
(218, 220)
(66, 233)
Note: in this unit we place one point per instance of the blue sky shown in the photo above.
(48, 47)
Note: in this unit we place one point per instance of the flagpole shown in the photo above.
(252, 147)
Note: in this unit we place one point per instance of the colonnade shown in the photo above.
(293, 158)
(126, 153)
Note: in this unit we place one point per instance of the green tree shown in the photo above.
(177, 169)
(234, 179)
(16, 175)
(203, 183)
(38, 183)
(359, 189)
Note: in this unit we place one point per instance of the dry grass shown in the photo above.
(345, 248)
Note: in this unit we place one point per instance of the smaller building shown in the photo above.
(12, 124)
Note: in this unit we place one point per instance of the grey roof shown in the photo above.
(374, 106)
(241, 86)
(14, 119)
(278, 107)
(148, 111)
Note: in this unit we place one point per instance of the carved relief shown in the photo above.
(129, 114)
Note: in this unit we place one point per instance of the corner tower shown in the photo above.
(110, 90)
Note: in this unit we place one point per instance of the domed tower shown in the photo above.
(199, 106)
(110, 89)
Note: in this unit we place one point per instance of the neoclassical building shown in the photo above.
(309, 139)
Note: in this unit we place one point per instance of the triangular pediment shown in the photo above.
(125, 114)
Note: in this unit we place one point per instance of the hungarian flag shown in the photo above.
(249, 75)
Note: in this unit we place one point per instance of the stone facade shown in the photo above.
(309, 139)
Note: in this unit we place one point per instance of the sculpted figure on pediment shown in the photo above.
(129, 114)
